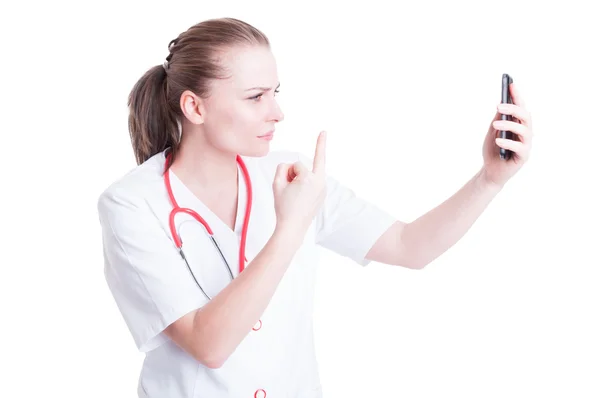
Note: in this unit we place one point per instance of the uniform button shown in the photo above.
(257, 326)
(260, 394)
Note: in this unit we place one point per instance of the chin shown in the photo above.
(257, 152)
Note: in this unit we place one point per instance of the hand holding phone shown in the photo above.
(506, 99)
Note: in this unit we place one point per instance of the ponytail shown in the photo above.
(152, 123)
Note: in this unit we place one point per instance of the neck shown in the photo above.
(203, 168)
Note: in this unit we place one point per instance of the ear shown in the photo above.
(192, 107)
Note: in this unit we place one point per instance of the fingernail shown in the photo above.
(502, 107)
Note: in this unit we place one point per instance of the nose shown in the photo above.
(277, 113)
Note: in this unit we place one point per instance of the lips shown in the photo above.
(269, 134)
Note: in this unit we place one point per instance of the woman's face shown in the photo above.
(243, 107)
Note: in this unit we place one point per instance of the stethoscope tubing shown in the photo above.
(178, 241)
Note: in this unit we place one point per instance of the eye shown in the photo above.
(258, 96)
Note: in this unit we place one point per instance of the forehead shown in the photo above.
(249, 67)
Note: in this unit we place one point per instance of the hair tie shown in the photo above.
(168, 59)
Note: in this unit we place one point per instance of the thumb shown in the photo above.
(297, 170)
(280, 180)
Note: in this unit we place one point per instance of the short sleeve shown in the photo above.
(146, 275)
(348, 224)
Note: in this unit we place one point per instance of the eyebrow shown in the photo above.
(263, 88)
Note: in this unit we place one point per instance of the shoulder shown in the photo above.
(143, 183)
(133, 188)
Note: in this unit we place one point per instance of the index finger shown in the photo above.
(319, 159)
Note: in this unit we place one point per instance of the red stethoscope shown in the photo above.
(260, 393)
(177, 209)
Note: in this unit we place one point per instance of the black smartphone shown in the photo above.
(506, 99)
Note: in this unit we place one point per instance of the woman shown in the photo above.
(200, 127)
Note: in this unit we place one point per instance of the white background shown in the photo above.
(406, 93)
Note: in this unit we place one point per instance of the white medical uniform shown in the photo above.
(152, 286)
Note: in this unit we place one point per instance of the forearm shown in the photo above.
(222, 324)
(429, 236)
